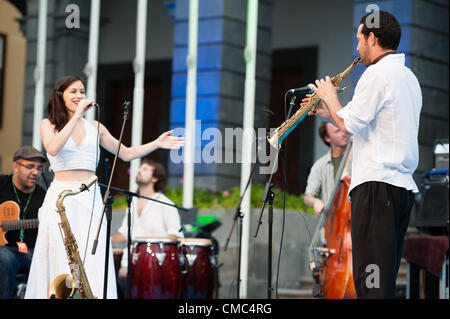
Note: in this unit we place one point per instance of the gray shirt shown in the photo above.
(321, 178)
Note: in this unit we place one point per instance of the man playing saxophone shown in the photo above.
(383, 118)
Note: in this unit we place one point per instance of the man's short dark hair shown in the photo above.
(323, 133)
(388, 32)
(159, 172)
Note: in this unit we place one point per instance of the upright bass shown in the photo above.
(330, 252)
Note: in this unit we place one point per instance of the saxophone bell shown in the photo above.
(62, 287)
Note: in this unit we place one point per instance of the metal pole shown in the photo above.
(138, 92)
(39, 74)
(91, 67)
(248, 136)
(191, 92)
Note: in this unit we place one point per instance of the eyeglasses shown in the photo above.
(30, 167)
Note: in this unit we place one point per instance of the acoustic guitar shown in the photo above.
(10, 220)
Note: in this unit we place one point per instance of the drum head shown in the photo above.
(155, 240)
(195, 241)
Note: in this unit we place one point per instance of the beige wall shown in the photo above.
(14, 81)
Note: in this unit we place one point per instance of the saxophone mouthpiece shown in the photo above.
(88, 183)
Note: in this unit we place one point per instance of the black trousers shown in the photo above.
(379, 221)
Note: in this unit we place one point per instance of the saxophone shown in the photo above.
(284, 129)
(75, 286)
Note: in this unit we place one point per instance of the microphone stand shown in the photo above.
(269, 196)
(107, 207)
(239, 214)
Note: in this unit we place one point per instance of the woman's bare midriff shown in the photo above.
(73, 175)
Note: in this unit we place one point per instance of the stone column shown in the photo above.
(66, 51)
(220, 84)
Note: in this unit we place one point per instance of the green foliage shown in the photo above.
(120, 202)
(229, 199)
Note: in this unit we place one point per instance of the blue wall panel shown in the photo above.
(206, 9)
(209, 31)
(401, 9)
(208, 83)
(207, 110)
(209, 57)
(209, 73)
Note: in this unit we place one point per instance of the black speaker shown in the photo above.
(433, 210)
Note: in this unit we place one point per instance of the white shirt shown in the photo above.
(73, 156)
(383, 118)
(156, 220)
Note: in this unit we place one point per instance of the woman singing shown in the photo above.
(72, 148)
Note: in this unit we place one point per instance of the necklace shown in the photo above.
(22, 232)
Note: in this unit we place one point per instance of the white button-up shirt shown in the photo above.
(383, 118)
(156, 220)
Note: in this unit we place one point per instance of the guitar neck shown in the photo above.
(19, 224)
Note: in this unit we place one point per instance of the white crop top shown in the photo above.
(72, 156)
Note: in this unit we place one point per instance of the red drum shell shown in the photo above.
(200, 279)
(155, 271)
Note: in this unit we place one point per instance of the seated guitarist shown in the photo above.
(22, 188)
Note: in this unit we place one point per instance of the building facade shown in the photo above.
(298, 41)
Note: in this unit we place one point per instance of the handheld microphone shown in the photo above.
(126, 106)
(302, 90)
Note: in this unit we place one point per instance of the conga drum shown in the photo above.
(199, 281)
(155, 271)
